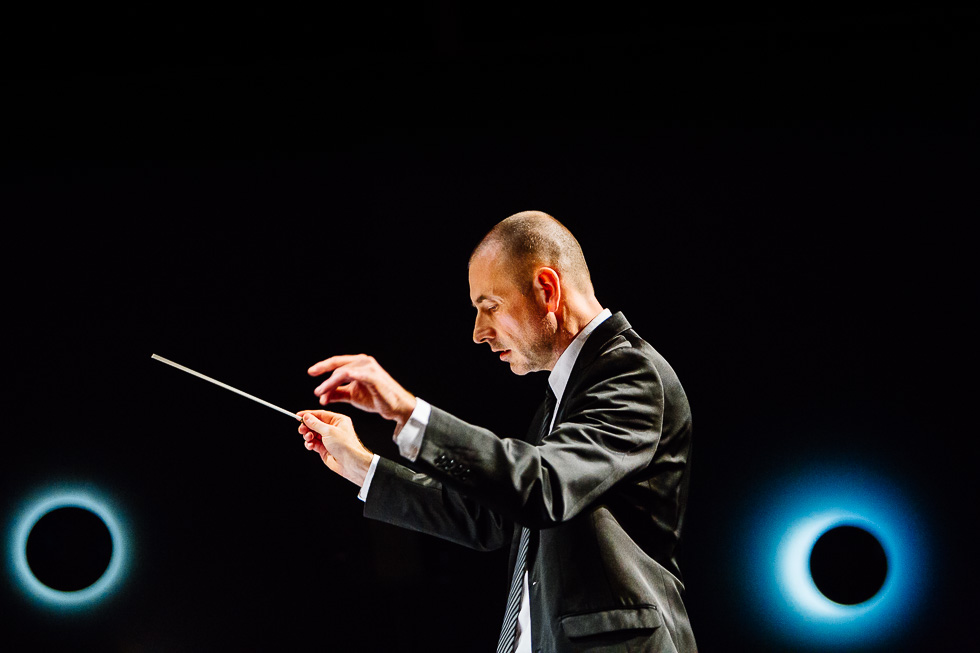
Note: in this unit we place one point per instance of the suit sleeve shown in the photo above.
(609, 428)
(419, 502)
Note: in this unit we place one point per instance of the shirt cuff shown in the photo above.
(362, 495)
(409, 439)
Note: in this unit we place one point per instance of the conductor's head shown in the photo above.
(531, 289)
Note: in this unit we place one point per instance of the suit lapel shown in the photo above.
(612, 327)
(609, 329)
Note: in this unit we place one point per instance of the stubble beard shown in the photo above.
(540, 355)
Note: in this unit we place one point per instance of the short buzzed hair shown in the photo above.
(532, 239)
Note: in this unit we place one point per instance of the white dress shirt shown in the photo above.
(409, 441)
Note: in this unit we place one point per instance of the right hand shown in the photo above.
(332, 436)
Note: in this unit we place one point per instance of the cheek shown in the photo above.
(509, 326)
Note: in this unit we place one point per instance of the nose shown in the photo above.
(482, 332)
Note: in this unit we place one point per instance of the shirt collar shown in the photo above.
(558, 378)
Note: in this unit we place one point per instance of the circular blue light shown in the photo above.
(791, 518)
(36, 508)
(793, 568)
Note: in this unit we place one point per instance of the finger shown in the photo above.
(335, 398)
(341, 395)
(339, 377)
(323, 415)
(315, 445)
(312, 423)
(331, 364)
(324, 423)
(326, 417)
(302, 427)
(307, 433)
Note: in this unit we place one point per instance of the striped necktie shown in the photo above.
(508, 631)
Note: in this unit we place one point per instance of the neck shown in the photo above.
(574, 315)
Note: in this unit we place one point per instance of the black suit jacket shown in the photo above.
(604, 494)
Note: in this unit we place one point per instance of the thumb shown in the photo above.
(315, 424)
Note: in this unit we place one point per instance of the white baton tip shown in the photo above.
(226, 386)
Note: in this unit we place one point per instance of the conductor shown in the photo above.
(591, 500)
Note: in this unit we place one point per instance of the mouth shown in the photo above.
(504, 353)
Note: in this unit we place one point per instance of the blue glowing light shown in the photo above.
(792, 516)
(36, 508)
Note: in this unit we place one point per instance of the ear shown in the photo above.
(547, 285)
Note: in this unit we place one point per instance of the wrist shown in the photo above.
(405, 414)
(360, 468)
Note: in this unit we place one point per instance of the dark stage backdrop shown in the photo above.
(795, 247)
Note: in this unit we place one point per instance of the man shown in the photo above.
(594, 494)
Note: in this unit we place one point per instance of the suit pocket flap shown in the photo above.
(592, 623)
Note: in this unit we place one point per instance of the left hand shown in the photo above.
(360, 381)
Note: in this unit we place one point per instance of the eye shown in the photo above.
(493, 308)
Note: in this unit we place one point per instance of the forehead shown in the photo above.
(489, 276)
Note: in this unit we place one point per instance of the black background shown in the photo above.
(778, 201)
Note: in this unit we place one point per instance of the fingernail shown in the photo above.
(309, 419)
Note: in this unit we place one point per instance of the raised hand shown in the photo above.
(360, 381)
